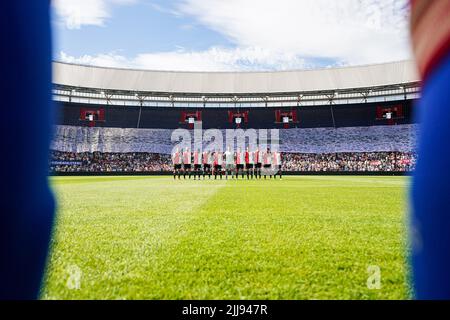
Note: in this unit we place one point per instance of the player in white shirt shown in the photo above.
(267, 161)
(229, 163)
(277, 162)
(258, 162)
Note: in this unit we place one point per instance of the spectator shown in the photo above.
(304, 162)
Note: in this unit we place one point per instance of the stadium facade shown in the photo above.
(333, 113)
(379, 82)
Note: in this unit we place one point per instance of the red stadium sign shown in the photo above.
(238, 117)
(189, 118)
(390, 113)
(286, 117)
(91, 116)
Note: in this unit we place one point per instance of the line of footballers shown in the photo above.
(229, 164)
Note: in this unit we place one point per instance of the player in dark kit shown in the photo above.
(430, 218)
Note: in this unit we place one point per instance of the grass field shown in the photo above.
(298, 238)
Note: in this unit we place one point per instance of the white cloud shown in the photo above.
(350, 31)
(220, 59)
(266, 34)
(213, 59)
(113, 60)
(76, 13)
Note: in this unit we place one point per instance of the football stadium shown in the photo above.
(329, 218)
(224, 159)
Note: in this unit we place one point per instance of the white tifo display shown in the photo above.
(314, 140)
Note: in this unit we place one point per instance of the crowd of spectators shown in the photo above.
(351, 162)
(109, 162)
(304, 162)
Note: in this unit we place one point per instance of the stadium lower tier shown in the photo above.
(104, 162)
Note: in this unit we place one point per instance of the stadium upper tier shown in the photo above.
(379, 82)
(309, 140)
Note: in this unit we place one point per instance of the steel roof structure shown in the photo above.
(100, 85)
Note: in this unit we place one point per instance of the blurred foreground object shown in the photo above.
(430, 225)
(27, 205)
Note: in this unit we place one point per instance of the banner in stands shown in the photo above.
(66, 163)
(314, 140)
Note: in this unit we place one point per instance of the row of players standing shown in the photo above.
(228, 163)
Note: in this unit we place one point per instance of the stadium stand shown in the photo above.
(315, 140)
(350, 162)
(363, 120)
(98, 162)
(109, 162)
(374, 148)
(121, 116)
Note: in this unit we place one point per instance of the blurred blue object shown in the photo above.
(27, 205)
(430, 224)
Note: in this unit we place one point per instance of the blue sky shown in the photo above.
(228, 35)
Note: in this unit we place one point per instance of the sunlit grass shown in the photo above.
(298, 238)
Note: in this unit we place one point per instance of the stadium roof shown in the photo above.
(210, 83)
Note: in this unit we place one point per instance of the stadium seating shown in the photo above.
(314, 140)
(98, 162)
(358, 149)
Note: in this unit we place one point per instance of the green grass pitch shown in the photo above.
(299, 238)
